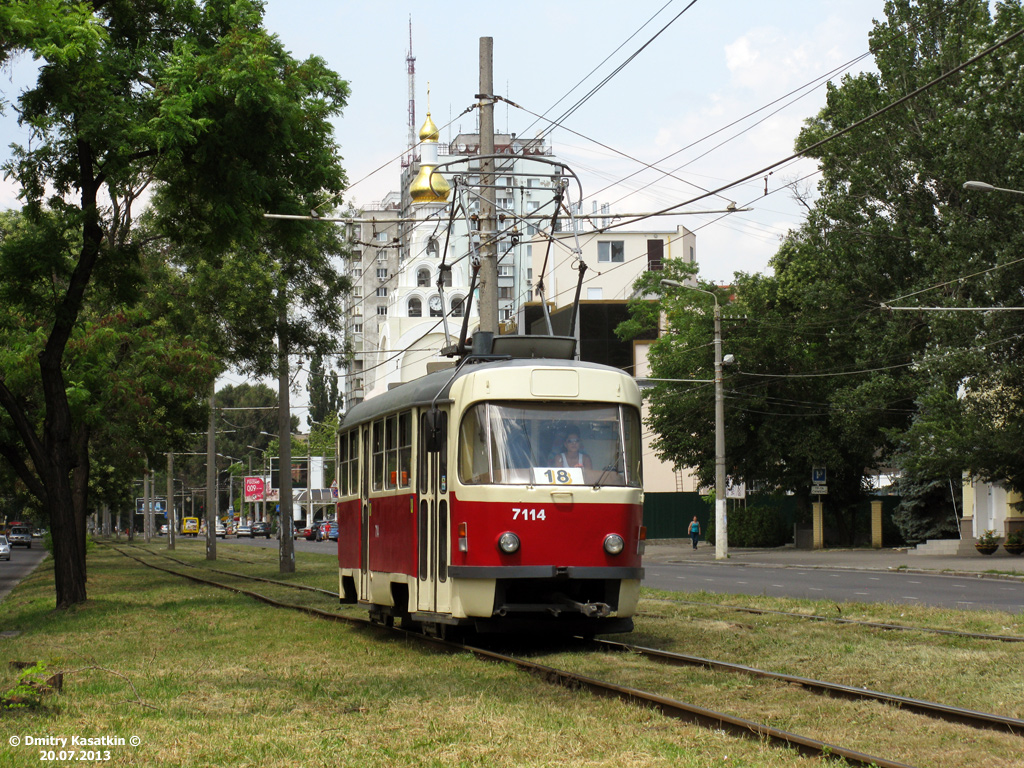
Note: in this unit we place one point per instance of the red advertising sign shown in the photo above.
(255, 487)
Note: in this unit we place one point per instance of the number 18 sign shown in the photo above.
(558, 476)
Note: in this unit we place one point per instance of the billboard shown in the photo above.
(299, 470)
(158, 504)
(254, 488)
(257, 489)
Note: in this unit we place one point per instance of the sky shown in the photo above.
(714, 63)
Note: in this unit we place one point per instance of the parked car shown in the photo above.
(5, 548)
(38, 533)
(163, 529)
(332, 534)
(310, 531)
(259, 529)
(20, 537)
(221, 531)
(244, 530)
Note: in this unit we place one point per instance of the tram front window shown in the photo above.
(512, 443)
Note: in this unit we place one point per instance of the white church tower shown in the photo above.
(414, 334)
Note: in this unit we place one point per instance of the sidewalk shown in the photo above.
(681, 551)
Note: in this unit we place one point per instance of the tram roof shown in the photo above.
(423, 390)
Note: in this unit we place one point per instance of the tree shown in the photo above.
(892, 189)
(324, 397)
(195, 101)
(825, 374)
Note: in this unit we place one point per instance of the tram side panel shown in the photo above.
(393, 534)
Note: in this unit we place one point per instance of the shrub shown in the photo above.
(756, 525)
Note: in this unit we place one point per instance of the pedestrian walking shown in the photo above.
(694, 531)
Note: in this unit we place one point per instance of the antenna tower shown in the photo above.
(410, 61)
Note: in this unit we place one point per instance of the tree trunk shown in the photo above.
(80, 493)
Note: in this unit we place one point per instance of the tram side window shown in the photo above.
(377, 449)
(343, 465)
(353, 457)
(474, 465)
(405, 449)
(397, 460)
(391, 451)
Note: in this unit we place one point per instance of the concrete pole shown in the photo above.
(172, 518)
(147, 504)
(488, 224)
(721, 513)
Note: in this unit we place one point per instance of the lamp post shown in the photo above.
(981, 186)
(721, 518)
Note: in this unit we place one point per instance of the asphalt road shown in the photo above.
(22, 563)
(820, 583)
(840, 586)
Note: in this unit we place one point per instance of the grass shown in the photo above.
(204, 677)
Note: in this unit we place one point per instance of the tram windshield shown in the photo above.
(525, 443)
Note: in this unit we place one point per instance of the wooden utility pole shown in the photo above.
(286, 557)
(211, 479)
(488, 223)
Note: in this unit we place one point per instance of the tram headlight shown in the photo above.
(613, 544)
(508, 543)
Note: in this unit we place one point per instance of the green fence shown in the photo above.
(668, 515)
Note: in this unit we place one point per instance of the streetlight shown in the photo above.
(721, 521)
(981, 186)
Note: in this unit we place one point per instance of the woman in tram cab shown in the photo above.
(573, 455)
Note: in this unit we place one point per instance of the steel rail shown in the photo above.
(932, 709)
(306, 587)
(672, 708)
(681, 710)
(871, 624)
(319, 613)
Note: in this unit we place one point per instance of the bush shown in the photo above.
(757, 525)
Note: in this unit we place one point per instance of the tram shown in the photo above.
(501, 495)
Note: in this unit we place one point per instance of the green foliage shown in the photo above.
(926, 510)
(989, 538)
(325, 399)
(112, 326)
(29, 691)
(825, 374)
(755, 525)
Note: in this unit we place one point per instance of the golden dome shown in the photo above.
(429, 131)
(421, 190)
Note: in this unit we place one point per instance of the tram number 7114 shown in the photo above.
(527, 514)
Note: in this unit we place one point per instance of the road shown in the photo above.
(819, 583)
(21, 564)
(839, 586)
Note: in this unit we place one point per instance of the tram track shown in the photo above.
(670, 707)
(854, 622)
(930, 709)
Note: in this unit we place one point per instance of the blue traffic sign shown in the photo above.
(818, 476)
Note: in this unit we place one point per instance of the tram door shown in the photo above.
(432, 519)
(364, 521)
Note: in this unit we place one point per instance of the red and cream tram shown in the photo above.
(501, 495)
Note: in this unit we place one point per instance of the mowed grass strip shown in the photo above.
(205, 677)
(975, 674)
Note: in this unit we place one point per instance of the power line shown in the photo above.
(843, 131)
